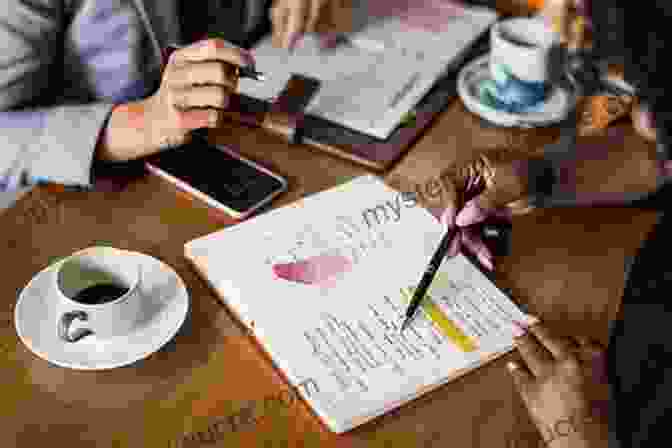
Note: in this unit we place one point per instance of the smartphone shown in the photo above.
(218, 176)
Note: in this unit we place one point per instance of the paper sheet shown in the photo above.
(330, 316)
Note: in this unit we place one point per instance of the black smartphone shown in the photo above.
(218, 175)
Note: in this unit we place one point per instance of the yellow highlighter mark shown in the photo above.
(449, 329)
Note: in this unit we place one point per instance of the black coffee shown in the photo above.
(100, 293)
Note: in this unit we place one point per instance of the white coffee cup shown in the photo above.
(520, 60)
(92, 270)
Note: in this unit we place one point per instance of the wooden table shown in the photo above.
(211, 386)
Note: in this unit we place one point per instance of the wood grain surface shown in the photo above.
(211, 385)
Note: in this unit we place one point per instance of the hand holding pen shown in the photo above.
(477, 233)
(502, 182)
(197, 83)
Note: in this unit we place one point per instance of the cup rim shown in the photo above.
(496, 27)
(74, 303)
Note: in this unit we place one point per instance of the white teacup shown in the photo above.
(99, 286)
(520, 62)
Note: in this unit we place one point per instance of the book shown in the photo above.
(370, 81)
(323, 284)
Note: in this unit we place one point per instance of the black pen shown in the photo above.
(428, 276)
(251, 73)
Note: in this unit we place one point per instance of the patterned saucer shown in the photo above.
(471, 86)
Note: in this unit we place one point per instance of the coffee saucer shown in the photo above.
(470, 86)
(166, 306)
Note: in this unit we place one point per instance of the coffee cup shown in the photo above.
(99, 286)
(520, 63)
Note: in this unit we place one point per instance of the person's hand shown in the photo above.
(504, 186)
(479, 197)
(563, 383)
(292, 18)
(194, 93)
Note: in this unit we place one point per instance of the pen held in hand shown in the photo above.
(428, 275)
(250, 73)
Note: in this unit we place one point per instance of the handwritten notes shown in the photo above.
(350, 350)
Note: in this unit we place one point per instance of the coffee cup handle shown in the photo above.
(66, 321)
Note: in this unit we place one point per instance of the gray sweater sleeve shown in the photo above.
(50, 143)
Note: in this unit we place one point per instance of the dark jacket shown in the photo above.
(640, 347)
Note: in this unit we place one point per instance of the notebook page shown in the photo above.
(332, 326)
(389, 64)
(437, 29)
(363, 89)
(465, 322)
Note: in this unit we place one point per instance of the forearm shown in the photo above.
(616, 169)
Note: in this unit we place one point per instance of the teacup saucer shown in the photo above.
(36, 317)
(473, 77)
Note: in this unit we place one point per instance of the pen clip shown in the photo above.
(250, 72)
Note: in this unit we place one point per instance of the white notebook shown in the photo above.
(397, 51)
(323, 284)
